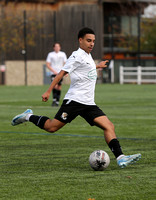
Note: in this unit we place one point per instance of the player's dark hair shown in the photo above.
(56, 43)
(85, 31)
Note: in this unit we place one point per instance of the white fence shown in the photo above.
(137, 75)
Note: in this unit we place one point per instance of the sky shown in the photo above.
(150, 11)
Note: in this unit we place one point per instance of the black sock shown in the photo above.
(58, 95)
(38, 120)
(115, 147)
(54, 94)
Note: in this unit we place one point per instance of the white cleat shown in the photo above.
(21, 118)
(127, 160)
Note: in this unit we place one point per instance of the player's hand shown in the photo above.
(45, 96)
(55, 72)
(102, 64)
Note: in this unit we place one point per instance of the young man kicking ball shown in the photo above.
(79, 100)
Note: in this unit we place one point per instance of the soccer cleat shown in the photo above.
(21, 118)
(55, 104)
(127, 160)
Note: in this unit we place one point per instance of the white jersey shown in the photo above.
(56, 60)
(82, 69)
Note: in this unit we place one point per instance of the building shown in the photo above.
(48, 21)
(61, 20)
(122, 20)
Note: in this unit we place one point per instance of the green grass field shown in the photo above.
(35, 165)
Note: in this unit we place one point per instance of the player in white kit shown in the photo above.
(54, 62)
(79, 100)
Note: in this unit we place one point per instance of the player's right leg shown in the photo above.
(42, 122)
(53, 125)
(21, 118)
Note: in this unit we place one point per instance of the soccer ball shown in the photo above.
(99, 160)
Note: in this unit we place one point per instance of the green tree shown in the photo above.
(147, 39)
(148, 36)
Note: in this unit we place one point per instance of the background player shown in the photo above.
(54, 62)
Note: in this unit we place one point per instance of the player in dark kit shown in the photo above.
(79, 100)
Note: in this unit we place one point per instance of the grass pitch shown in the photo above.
(36, 165)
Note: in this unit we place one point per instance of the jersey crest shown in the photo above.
(92, 74)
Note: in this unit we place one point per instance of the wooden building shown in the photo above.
(49, 21)
(60, 20)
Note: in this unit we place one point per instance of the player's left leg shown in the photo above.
(109, 133)
(55, 95)
(58, 94)
(104, 123)
(58, 88)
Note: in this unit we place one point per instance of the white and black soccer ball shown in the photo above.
(99, 160)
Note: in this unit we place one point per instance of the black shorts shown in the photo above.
(52, 78)
(69, 110)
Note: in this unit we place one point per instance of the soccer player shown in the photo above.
(79, 99)
(54, 62)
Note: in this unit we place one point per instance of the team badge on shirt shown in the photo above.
(64, 116)
(92, 74)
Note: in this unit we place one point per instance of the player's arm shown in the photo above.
(50, 68)
(102, 64)
(56, 80)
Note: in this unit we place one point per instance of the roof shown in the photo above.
(126, 1)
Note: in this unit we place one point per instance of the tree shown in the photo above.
(147, 39)
(11, 32)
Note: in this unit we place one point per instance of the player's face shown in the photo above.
(57, 48)
(87, 42)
